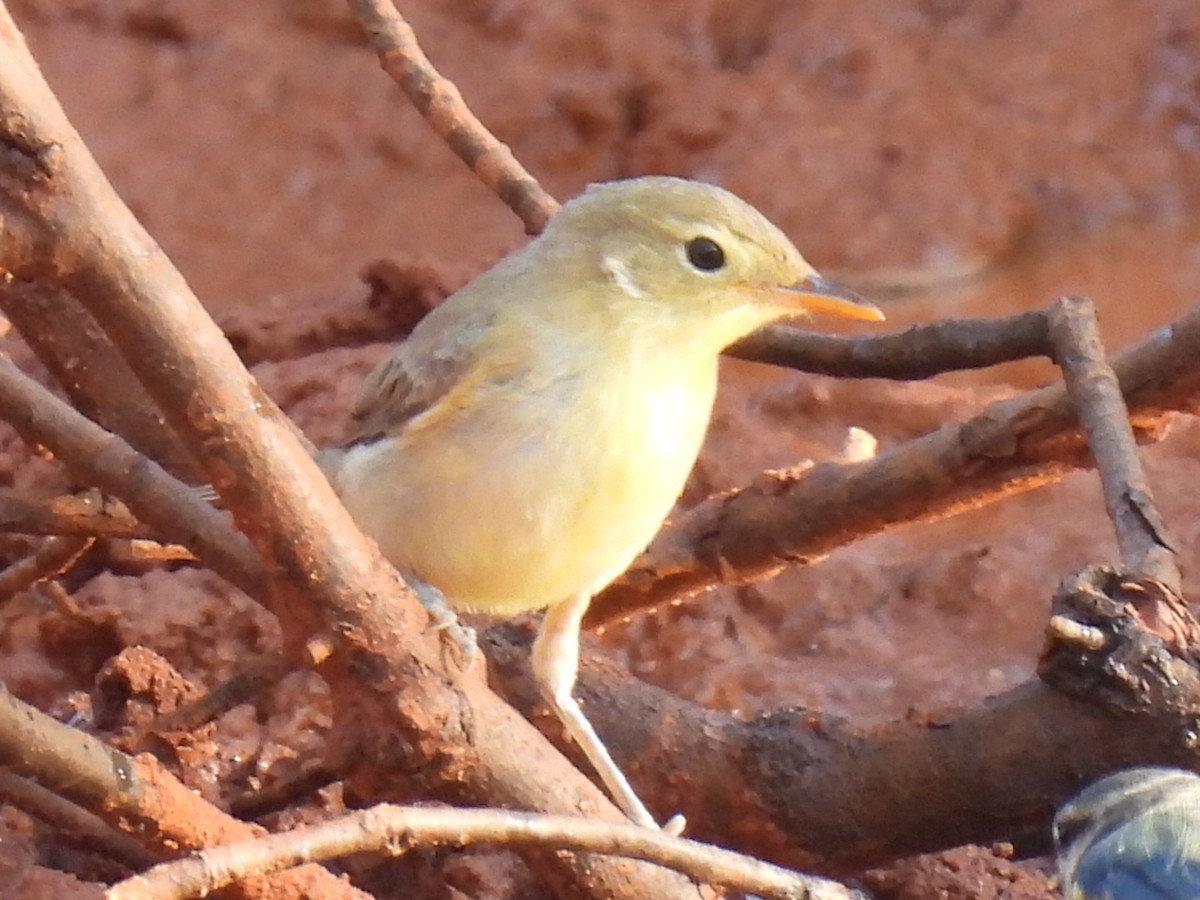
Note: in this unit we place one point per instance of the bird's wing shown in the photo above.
(440, 359)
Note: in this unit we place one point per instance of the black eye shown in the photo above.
(705, 254)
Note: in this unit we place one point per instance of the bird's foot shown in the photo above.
(458, 638)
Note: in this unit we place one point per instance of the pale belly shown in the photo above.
(506, 516)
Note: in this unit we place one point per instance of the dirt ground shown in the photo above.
(948, 157)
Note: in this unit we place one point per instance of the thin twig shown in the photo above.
(73, 820)
(55, 556)
(920, 351)
(1092, 386)
(439, 101)
(313, 775)
(396, 829)
(112, 465)
(68, 514)
(232, 692)
(1012, 446)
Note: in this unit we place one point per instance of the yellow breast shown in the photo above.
(521, 501)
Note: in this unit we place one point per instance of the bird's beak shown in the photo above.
(816, 295)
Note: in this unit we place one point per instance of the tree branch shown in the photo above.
(439, 101)
(134, 794)
(76, 515)
(73, 820)
(397, 829)
(810, 792)
(53, 557)
(920, 351)
(1012, 446)
(105, 460)
(1095, 392)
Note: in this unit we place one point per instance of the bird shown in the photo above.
(1133, 835)
(530, 436)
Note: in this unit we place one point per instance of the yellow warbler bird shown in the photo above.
(528, 439)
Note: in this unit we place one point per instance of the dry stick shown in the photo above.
(21, 513)
(396, 829)
(230, 693)
(920, 351)
(53, 557)
(73, 820)
(135, 793)
(1096, 393)
(439, 101)
(71, 345)
(813, 793)
(116, 468)
(335, 597)
(1012, 446)
(295, 789)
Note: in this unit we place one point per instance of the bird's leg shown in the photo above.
(555, 666)
(460, 637)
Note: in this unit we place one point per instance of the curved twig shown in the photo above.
(396, 829)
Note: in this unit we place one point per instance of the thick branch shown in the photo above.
(136, 795)
(808, 792)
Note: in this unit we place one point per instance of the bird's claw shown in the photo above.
(458, 638)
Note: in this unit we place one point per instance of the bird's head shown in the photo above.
(694, 256)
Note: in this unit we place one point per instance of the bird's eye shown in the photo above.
(705, 254)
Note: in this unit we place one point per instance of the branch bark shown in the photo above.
(107, 461)
(810, 792)
(135, 795)
(439, 101)
(1095, 392)
(397, 829)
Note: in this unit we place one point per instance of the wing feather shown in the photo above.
(436, 358)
